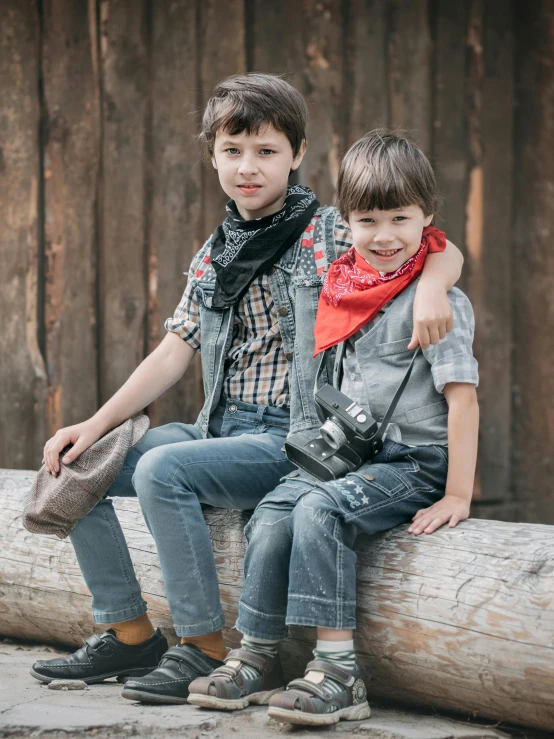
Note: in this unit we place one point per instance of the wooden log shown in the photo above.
(461, 620)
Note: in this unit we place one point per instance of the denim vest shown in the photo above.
(421, 416)
(296, 296)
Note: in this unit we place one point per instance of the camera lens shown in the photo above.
(332, 434)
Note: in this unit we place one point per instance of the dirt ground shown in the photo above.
(30, 709)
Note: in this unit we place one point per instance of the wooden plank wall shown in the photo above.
(105, 198)
(533, 264)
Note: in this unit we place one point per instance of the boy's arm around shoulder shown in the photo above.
(452, 358)
(432, 311)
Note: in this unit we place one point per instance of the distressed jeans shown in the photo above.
(173, 471)
(300, 564)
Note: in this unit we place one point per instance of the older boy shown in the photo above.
(249, 306)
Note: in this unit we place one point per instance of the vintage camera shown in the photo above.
(348, 438)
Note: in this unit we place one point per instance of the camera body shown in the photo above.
(348, 438)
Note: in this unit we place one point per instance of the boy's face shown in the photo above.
(388, 238)
(254, 170)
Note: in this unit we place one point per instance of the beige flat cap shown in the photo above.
(55, 504)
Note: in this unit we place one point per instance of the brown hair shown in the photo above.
(384, 171)
(247, 102)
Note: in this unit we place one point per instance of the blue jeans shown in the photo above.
(173, 471)
(300, 564)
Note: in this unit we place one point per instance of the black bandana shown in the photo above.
(242, 250)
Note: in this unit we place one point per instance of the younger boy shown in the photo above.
(249, 309)
(300, 561)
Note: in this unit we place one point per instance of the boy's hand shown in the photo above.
(451, 509)
(82, 435)
(432, 314)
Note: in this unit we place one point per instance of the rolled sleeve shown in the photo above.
(452, 358)
(186, 320)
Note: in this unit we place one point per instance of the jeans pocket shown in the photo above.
(389, 479)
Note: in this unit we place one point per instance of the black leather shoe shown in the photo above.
(103, 656)
(180, 665)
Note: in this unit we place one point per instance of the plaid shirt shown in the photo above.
(256, 369)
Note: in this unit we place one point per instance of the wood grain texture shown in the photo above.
(71, 179)
(22, 371)
(533, 285)
(282, 51)
(175, 232)
(489, 234)
(222, 53)
(410, 69)
(323, 90)
(461, 620)
(450, 142)
(366, 95)
(123, 304)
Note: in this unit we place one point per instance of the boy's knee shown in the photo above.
(311, 514)
(152, 466)
(268, 527)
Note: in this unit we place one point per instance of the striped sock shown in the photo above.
(340, 653)
(266, 647)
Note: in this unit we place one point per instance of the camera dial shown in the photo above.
(332, 434)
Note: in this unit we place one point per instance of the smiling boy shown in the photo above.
(300, 563)
(249, 308)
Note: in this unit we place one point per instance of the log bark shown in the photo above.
(461, 620)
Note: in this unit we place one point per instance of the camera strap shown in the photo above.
(394, 402)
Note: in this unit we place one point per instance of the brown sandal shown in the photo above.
(309, 702)
(231, 688)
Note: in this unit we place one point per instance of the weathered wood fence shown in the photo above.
(104, 198)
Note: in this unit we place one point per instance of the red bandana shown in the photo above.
(354, 292)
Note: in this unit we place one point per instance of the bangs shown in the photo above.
(383, 171)
(248, 103)
(239, 114)
(384, 189)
